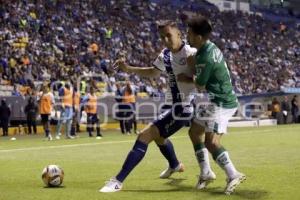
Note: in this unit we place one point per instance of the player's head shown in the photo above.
(199, 30)
(169, 34)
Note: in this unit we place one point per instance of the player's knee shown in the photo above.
(196, 131)
(160, 141)
(149, 134)
(212, 142)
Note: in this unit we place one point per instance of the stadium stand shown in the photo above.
(61, 40)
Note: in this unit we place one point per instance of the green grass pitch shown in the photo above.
(269, 156)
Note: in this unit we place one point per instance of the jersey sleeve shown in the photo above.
(159, 62)
(190, 51)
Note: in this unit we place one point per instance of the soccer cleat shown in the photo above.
(169, 171)
(70, 137)
(50, 137)
(205, 179)
(113, 185)
(233, 183)
(98, 138)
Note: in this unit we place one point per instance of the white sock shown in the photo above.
(203, 160)
(225, 163)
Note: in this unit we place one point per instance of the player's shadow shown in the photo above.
(176, 183)
(214, 191)
(56, 188)
(243, 193)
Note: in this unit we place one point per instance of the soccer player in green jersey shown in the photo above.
(210, 124)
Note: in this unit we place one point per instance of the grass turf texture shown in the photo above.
(269, 156)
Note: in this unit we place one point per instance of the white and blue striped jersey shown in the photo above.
(178, 65)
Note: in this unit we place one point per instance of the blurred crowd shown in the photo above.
(64, 40)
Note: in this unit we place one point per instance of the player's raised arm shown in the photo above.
(141, 71)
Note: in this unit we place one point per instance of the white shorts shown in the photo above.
(214, 119)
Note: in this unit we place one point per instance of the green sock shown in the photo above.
(199, 146)
(218, 152)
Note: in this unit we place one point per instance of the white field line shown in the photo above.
(71, 145)
(108, 142)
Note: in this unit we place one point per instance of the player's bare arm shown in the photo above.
(149, 72)
(191, 62)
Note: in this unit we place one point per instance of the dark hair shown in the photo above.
(164, 23)
(3, 102)
(67, 85)
(200, 25)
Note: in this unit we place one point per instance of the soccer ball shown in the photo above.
(53, 176)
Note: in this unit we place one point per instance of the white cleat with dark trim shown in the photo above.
(113, 185)
(233, 183)
(205, 179)
(169, 171)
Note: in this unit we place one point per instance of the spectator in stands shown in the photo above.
(261, 58)
(275, 108)
(31, 110)
(15, 92)
(4, 117)
(295, 109)
(285, 109)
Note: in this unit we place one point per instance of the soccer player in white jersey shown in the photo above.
(174, 61)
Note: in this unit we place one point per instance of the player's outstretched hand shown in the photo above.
(120, 64)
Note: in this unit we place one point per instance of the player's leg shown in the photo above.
(217, 126)
(44, 123)
(221, 156)
(168, 124)
(197, 136)
(97, 122)
(73, 125)
(34, 125)
(69, 119)
(59, 124)
(47, 127)
(134, 157)
(89, 124)
(5, 127)
(29, 125)
(167, 150)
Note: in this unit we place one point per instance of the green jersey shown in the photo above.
(212, 72)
